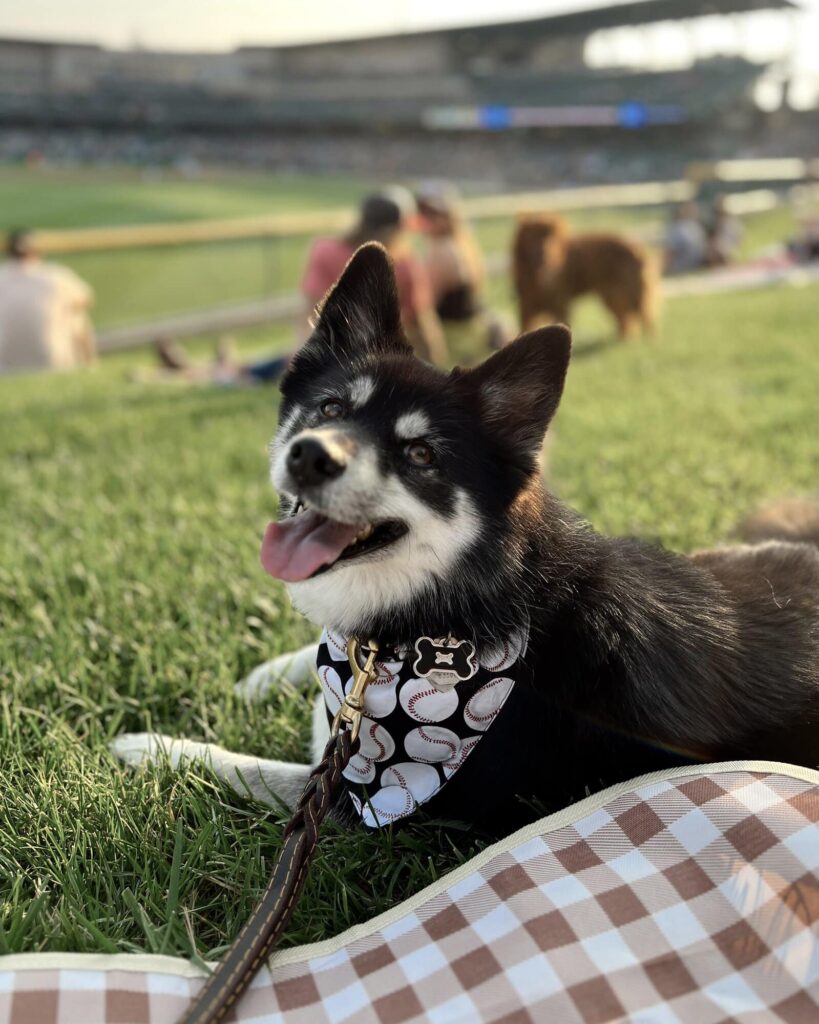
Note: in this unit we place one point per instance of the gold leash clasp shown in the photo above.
(352, 709)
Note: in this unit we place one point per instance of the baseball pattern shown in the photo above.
(382, 691)
(336, 646)
(424, 702)
(360, 769)
(431, 744)
(483, 707)
(391, 803)
(376, 744)
(454, 763)
(414, 737)
(332, 687)
(504, 654)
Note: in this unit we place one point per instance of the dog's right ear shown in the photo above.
(361, 313)
(519, 388)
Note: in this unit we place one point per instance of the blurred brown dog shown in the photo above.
(551, 267)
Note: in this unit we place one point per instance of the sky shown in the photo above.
(224, 24)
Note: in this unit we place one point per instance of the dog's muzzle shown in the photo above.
(311, 464)
(317, 457)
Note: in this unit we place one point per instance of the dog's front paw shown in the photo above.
(297, 669)
(135, 748)
(264, 678)
(256, 685)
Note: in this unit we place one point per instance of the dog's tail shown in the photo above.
(651, 292)
(790, 519)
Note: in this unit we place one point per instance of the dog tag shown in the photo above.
(444, 662)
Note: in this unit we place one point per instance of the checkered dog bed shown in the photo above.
(690, 895)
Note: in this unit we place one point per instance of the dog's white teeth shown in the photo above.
(365, 533)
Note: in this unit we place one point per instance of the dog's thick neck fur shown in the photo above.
(499, 582)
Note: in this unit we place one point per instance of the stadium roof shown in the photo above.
(638, 12)
(612, 15)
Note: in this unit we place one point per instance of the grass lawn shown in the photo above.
(131, 598)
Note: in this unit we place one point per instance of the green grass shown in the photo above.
(45, 198)
(131, 598)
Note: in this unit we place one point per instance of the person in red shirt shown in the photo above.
(384, 217)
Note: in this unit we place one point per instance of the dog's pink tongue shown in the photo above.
(294, 548)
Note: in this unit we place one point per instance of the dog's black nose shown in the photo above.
(310, 463)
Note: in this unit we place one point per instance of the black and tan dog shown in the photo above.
(413, 511)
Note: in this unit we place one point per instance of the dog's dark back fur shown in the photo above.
(641, 659)
(638, 658)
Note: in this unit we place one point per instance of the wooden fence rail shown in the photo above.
(289, 225)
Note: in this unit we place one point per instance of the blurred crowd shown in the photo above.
(509, 159)
(498, 160)
(693, 240)
(44, 307)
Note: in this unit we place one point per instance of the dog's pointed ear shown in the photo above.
(361, 313)
(519, 388)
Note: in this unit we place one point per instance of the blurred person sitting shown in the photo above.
(685, 240)
(805, 247)
(225, 369)
(384, 217)
(44, 321)
(724, 235)
(455, 264)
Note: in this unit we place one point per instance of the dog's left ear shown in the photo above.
(361, 312)
(519, 388)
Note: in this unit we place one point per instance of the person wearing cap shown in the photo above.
(44, 322)
(454, 264)
(383, 217)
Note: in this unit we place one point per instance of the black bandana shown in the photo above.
(424, 715)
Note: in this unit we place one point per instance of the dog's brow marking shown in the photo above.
(361, 391)
(412, 424)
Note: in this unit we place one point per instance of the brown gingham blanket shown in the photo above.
(686, 896)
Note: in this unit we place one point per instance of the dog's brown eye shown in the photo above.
(419, 454)
(331, 409)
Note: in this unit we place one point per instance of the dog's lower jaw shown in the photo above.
(350, 596)
(347, 597)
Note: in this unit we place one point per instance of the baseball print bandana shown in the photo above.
(424, 714)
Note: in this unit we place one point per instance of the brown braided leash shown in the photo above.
(270, 918)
